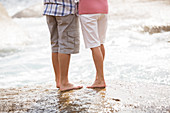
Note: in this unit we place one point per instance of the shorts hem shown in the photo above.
(57, 51)
(87, 47)
(65, 52)
(54, 51)
(75, 52)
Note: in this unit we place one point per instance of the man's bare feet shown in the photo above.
(69, 86)
(57, 85)
(98, 84)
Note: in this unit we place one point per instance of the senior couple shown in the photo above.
(63, 24)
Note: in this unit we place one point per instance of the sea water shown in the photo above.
(137, 46)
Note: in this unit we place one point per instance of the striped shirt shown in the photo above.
(59, 7)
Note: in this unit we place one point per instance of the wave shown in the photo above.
(11, 35)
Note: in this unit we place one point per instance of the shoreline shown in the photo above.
(118, 96)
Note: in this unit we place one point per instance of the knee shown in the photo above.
(94, 48)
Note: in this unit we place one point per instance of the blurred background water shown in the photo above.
(137, 46)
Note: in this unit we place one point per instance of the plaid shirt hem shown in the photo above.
(63, 8)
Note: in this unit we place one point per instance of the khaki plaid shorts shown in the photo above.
(64, 33)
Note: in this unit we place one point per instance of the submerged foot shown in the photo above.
(98, 84)
(69, 86)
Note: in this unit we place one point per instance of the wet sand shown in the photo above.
(118, 96)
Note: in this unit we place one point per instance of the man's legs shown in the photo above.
(64, 61)
(52, 25)
(98, 59)
(61, 42)
(68, 27)
(56, 68)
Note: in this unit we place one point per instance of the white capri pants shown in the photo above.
(94, 28)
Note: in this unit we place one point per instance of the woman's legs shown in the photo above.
(94, 34)
(102, 28)
(103, 53)
(98, 61)
(102, 50)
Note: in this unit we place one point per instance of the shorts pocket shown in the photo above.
(71, 38)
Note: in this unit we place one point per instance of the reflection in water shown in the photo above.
(70, 102)
(84, 100)
(52, 100)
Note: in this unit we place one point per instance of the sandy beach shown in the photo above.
(118, 96)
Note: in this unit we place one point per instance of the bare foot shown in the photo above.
(57, 84)
(69, 86)
(98, 84)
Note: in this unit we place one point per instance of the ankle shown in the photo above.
(64, 83)
(100, 81)
(100, 78)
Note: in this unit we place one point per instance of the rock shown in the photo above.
(33, 11)
(156, 29)
(11, 35)
(4, 15)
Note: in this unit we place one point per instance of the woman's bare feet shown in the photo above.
(98, 84)
(69, 86)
